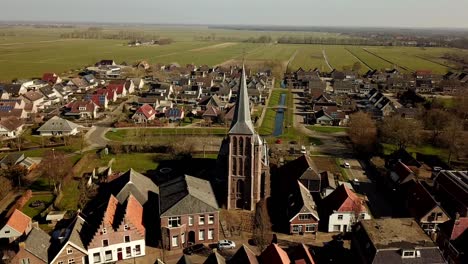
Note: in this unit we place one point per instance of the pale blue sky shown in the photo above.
(370, 13)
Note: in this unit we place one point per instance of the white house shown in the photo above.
(17, 225)
(57, 126)
(345, 208)
(11, 127)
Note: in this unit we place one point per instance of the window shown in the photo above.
(174, 221)
(97, 257)
(137, 249)
(7, 231)
(297, 229)
(201, 234)
(175, 240)
(127, 239)
(126, 227)
(408, 254)
(71, 261)
(210, 234)
(25, 261)
(201, 220)
(336, 228)
(340, 217)
(128, 251)
(310, 228)
(60, 262)
(108, 255)
(105, 243)
(211, 219)
(362, 216)
(190, 220)
(305, 217)
(104, 231)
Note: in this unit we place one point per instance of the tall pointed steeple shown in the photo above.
(242, 123)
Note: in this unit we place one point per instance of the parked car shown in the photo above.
(303, 149)
(226, 244)
(347, 165)
(194, 249)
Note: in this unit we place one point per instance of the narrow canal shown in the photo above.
(279, 119)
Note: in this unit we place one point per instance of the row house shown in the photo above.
(222, 92)
(34, 98)
(50, 95)
(451, 189)
(80, 85)
(210, 101)
(12, 90)
(343, 87)
(189, 212)
(110, 93)
(344, 208)
(121, 234)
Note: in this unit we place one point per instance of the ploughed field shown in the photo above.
(29, 52)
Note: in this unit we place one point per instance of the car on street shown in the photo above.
(347, 165)
(226, 244)
(196, 248)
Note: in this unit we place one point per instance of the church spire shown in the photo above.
(242, 123)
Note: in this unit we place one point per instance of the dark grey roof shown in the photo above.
(57, 124)
(38, 243)
(428, 255)
(187, 195)
(242, 123)
(184, 260)
(243, 255)
(136, 184)
(215, 258)
(78, 233)
(308, 204)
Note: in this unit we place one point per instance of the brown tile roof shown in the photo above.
(273, 254)
(11, 123)
(342, 199)
(111, 210)
(33, 96)
(19, 221)
(75, 106)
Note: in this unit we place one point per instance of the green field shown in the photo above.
(327, 129)
(33, 212)
(154, 134)
(31, 52)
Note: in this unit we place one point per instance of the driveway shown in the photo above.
(356, 172)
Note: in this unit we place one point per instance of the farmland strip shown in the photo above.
(435, 62)
(382, 58)
(363, 62)
(326, 60)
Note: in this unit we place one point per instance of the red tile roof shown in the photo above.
(459, 227)
(273, 254)
(119, 86)
(134, 214)
(147, 110)
(50, 77)
(111, 210)
(402, 171)
(19, 221)
(342, 199)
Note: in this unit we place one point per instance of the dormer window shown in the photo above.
(408, 254)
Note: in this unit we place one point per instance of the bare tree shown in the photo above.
(5, 186)
(362, 132)
(55, 165)
(400, 131)
(436, 120)
(262, 226)
(454, 137)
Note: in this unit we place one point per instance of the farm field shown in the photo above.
(31, 52)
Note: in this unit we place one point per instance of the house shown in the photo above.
(393, 241)
(119, 87)
(121, 234)
(451, 189)
(11, 127)
(34, 249)
(14, 159)
(80, 85)
(243, 255)
(152, 101)
(139, 83)
(99, 99)
(105, 63)
(452, 239)
(327, 118)
(57, 126)
(90, 79)
(72, 248)
(143, 65)
(50, 95)
(136, 184)
(273, 254)
(17, 226)
(163, 90)
(33, 97)
(82, 109)
(302, 211)
(13, 90)
(188, 212)
(300, 254)
(212, 100)
(211, 114)
(175, 114)
(303, 169)
(423, 207)
(344, 208)
(144, 114)
(129, 86)
(51, 78)
(399, 174)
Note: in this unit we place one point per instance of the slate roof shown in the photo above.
(12, 159)
(242, 123)
(19, 221)
(308, 204)
(58, 124)
(419, 201)
(78, 234)
(244, 255)
(215, 258)
(38, 243)
(273, 254)
(11, 88)
(133, 183)
(342, 199)
(187, 195)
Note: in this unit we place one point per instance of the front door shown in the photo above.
(119, 254)
(345, 228)
(191, 238)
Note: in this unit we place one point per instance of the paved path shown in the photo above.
(326, 60)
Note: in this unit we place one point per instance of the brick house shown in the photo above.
(18, 225)
(121, 234)
(34, 250)
(189, 212)
(303, 217)
(72, 250)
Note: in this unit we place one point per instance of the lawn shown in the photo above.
(141, 162)
(268, 123)
(33, 212)
(423, 149)
(153, 135)
(327, 129)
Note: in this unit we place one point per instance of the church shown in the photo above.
(245, 155)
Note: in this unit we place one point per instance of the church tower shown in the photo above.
(248, 171)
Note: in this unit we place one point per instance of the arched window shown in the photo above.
(234, 145)
(241, 168)
(247, 167)
(234, 166)
(241, 146)
(247, 146)
(239, 189)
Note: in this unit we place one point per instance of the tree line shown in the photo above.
(97, 33)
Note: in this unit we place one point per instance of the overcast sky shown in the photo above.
(370, 13)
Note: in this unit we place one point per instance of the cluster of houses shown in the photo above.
(332, 96)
